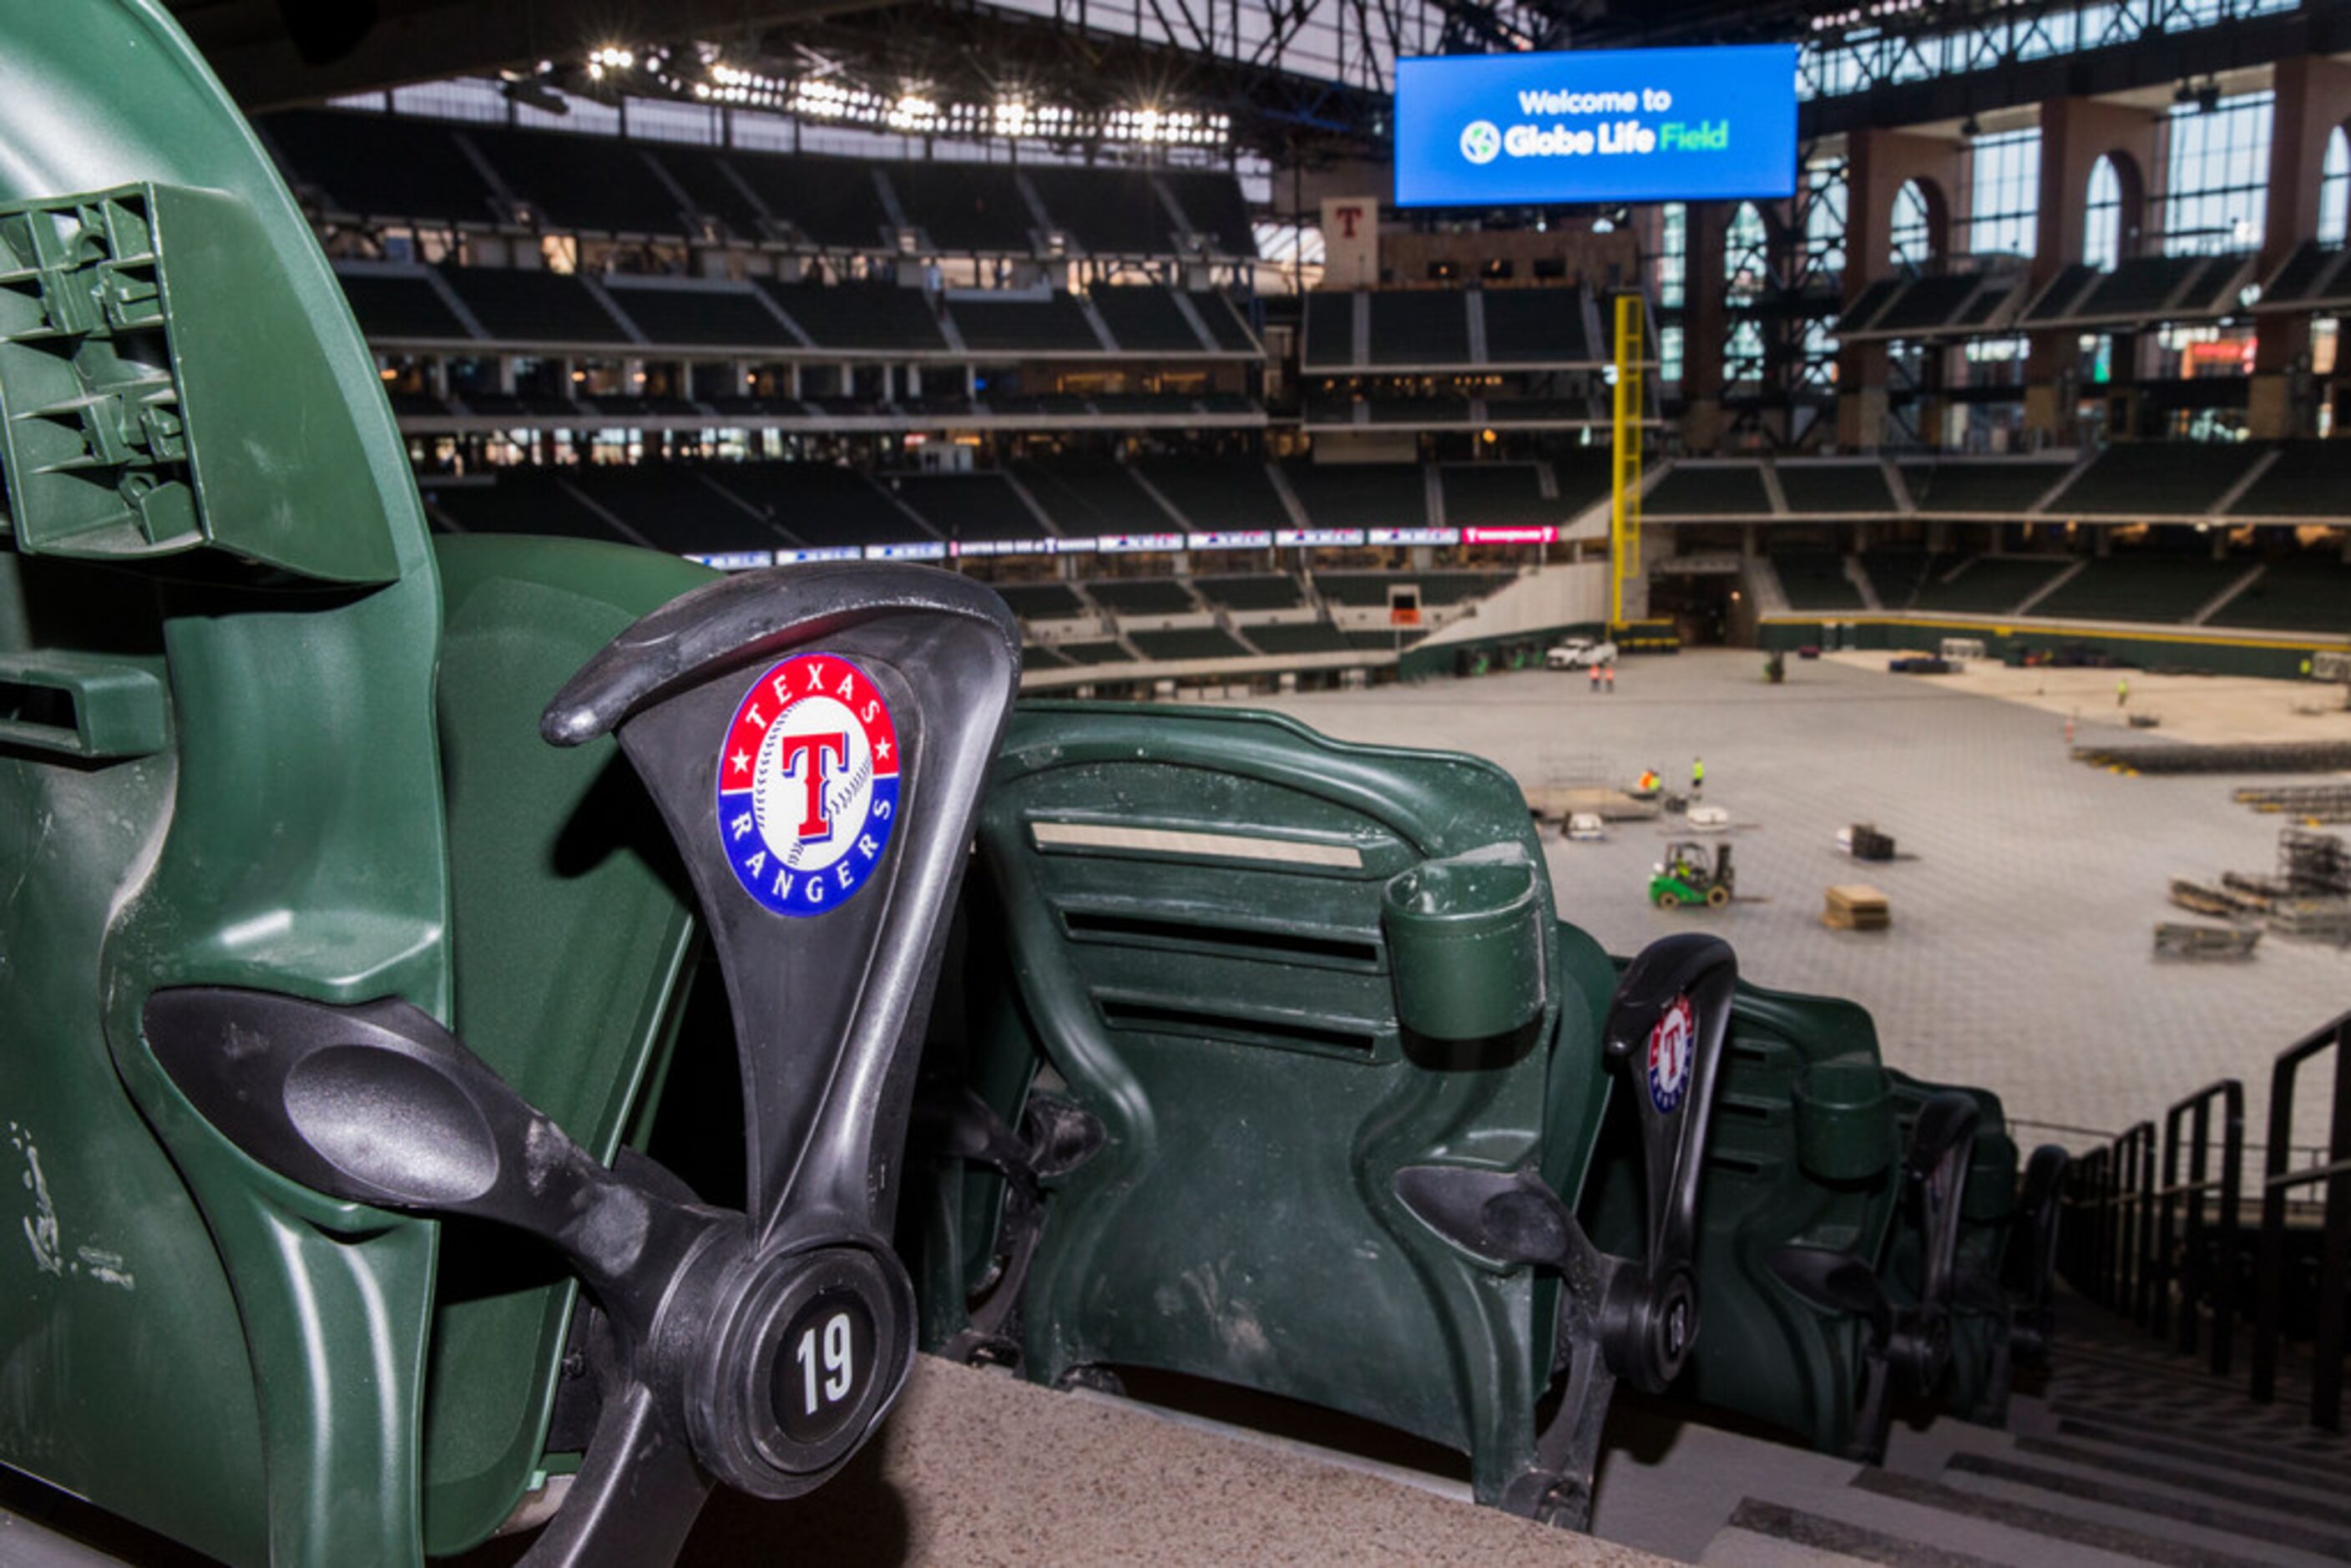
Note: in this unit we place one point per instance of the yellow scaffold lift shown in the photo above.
(1625, 463)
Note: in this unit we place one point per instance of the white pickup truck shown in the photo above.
(1580, 653)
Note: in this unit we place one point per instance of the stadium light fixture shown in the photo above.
(913, 109)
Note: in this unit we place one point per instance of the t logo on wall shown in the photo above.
(1350, 242)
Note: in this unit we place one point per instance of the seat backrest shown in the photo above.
(1277, 968)
(1978, 1387)
(218, 626)
(574, 932)
(1804, 1153)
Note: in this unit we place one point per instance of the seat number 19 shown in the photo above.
(838, 1367)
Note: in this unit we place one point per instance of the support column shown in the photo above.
(2313, 97)
(1878, 163)
(1703, 325)
(2075, 133)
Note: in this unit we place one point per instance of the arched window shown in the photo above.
(1912, 234)
(2334, 188)
(2102, 217)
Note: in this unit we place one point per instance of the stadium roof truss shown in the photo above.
(1292, 77)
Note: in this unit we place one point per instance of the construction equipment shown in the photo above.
(1689, 875)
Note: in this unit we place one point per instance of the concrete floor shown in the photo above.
(2021, 953)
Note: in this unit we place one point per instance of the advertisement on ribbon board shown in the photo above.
(1596, 125)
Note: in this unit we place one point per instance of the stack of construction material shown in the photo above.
(2205, 941)
(1857, 906)
(2313, 803)
(2256, 894)
(2315, 870)
(2205, 899)
(2313, 865)
(1863, 841)
(2314, 920)
(2240, 756)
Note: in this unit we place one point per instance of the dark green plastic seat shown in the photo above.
(341, 941)
(1806, 1152)
(1231, 981)
(1813, 1158)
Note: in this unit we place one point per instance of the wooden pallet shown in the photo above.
(1857, 906)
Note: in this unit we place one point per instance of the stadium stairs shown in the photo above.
(2122, 1452)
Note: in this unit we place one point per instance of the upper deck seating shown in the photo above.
(1537, 325)
(1218, 492)
(1360, 494)
(395, 305)
(1731, 490)
(1812, 488)
(534, 306)
(1086, 495)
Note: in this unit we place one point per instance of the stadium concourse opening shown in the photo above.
(1669, 875)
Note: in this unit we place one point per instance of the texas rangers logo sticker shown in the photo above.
(808, 784)
(1669, 1056)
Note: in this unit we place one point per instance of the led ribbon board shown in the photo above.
(1596, 125)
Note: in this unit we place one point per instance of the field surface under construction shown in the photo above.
(2020, 954)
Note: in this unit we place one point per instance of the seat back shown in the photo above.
(1981, 1362)
(1275, 968)
(1805, 1153)
(219, 625)
(574, 937)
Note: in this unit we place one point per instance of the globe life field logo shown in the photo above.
(1481, 142)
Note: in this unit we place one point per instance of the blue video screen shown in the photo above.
(1596, 125)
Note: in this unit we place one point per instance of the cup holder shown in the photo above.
(1466, 947)
(1842, 1122)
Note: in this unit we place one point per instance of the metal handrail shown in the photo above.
(2335, 1238)
(2209, 1277)
(2135, 1278)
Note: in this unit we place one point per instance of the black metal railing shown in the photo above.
(2270, 1285)
(2196, 1273)
(2169, 1253)
(2109, 1229)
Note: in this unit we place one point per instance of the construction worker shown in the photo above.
(2122, 690)
(1649, 781)
(1591, 672)
(1608, 679)
(1698, 777)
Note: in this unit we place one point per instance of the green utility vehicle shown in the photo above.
(1689, 876)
